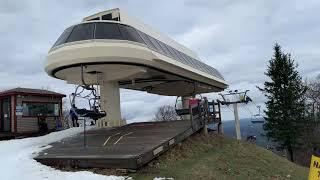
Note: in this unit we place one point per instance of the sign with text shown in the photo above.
(19, 110)
(314, 173)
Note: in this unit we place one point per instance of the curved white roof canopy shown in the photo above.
(120, 52)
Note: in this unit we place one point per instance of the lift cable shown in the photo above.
(249, 111)
(230, 109)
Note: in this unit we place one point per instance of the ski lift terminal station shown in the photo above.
(110, 50)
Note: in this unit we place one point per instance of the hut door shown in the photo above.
(5, 115)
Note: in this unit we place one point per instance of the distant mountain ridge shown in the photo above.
(247, 128)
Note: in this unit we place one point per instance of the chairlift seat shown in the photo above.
(181, 112)
(95, 115)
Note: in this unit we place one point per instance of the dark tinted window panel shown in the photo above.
(94, 19)
(197, 64)
(206, 68)
(156, 44)
(210, 70)
(129, 33)
(175, 53)
(115, 19)
(107, 17)
(63, 37)
(189, 60)
(147, 40)
(107, 31)
(180, 56)
(172, 52)
(81, 32)
(218, 74)
(165, 49)
(185, 60)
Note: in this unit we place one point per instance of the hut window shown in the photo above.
(40, 109)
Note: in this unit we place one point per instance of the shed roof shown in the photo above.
(31, 91)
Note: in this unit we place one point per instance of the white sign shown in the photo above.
(19, 110)
(56, 109)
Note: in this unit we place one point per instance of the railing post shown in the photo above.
(84, 133)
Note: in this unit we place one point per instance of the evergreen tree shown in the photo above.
(285, 105)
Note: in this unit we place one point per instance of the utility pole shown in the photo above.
(243, 98)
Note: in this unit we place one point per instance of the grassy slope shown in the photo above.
(219, 157)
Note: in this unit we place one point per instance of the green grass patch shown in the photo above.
(218, 157)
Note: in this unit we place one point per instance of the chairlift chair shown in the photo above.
(180, 110)
(95, 111)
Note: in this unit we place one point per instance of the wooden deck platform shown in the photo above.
(129, 147)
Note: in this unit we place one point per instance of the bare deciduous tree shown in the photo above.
(313, 97)
(309, 140)
(65, 114)
(166, 113)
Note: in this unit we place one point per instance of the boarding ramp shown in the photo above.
(128, 147)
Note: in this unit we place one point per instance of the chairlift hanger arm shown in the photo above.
(234, 93)
(245, 93)
(224, 99)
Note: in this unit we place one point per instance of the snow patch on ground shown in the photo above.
(16, 159)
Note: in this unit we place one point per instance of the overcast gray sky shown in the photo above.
(236, 37)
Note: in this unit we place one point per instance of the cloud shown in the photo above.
(236, 37)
